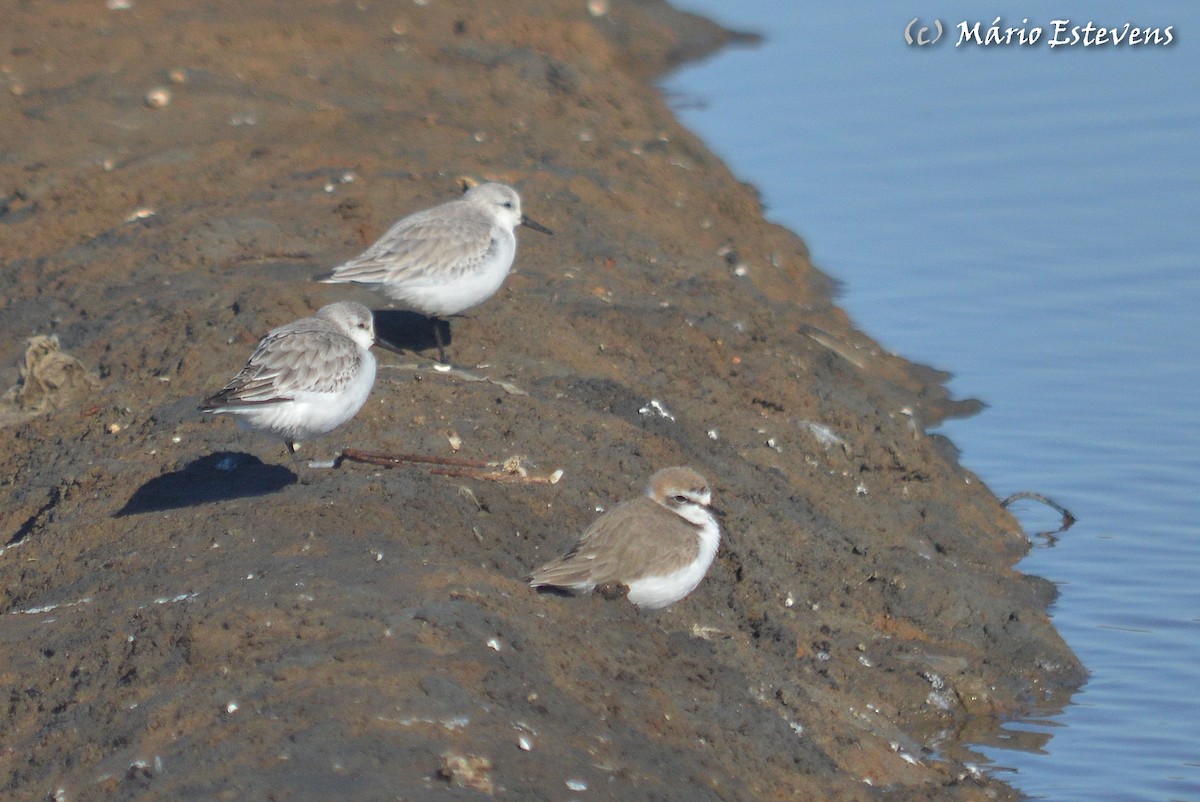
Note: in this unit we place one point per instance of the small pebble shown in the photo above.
(158, 97)
(140, 214)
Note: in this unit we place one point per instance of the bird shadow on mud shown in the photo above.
(410, 331)
(222, 476)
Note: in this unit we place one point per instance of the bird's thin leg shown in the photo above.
(437, 337)
(300, 472)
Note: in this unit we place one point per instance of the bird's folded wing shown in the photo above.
(422, 247)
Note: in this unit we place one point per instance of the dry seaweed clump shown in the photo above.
(50, 379)
(467, 771)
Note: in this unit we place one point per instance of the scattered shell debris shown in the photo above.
(939, 696)
(118, 5)
(597, 8)
(524, 739)
(49, 607)
(577, 785)
(658, 407)
(451, 723)
(494, 644)
(231, 708)
(347, 177)
(182, 597)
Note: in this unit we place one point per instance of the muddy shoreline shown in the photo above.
(173, 629)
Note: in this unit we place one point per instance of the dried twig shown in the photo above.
(498, 476)
(392, 460)
(510, 471)
(1067, 518)
(458, 373)
(839, 348)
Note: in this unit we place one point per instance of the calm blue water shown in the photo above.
(1029, 219)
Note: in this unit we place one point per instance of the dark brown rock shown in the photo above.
(182, 620)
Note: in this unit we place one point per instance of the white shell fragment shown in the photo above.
(158, 97)
(824, 435)
(657, 407)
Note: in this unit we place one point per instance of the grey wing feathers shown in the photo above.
(420, 244)
(306, 356)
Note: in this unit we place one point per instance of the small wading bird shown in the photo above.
(306, 378)
(446, 259)
(659, 545)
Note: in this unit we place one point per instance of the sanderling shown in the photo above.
(445, 259)
(659, 545)
(306, 378)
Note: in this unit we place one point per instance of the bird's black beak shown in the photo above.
(387, 346)
(535, 225)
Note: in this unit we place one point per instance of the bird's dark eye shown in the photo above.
(679, 499)
(507, 204)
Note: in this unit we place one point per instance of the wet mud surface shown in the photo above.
(184, 615)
